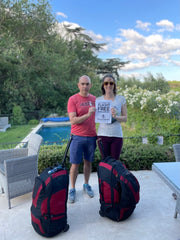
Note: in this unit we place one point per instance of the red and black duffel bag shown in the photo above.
(118, 189)
(49, 200)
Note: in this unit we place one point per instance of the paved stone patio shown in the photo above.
(152, 219)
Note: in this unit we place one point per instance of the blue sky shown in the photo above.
(144, 32)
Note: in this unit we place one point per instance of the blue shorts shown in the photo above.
(82, 148)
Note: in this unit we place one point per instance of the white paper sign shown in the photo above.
(103, 111)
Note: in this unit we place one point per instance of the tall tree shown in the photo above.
(39, 68)
(112, 65)
(26, 26)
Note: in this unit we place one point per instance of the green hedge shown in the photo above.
(142, 156)
(134, 156)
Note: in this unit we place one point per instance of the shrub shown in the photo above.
(49, 155)
(154, 102)
(18, 117)
(33, 122)
(134, 156)
(142, 156)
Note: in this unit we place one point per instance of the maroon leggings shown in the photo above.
(112, 146)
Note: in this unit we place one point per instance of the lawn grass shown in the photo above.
(175, 85)
(15, 134)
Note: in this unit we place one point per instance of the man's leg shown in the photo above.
(73, 176)
(87, 171)
(89, 149)
(75, 159)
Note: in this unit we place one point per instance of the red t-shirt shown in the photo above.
(80, 105)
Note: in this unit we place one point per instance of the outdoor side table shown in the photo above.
(170, 174)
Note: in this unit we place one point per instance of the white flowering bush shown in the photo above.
(152, 112)
(152, 101)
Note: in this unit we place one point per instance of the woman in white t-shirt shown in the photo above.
(111, 134)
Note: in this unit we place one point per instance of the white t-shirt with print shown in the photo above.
(112, 129)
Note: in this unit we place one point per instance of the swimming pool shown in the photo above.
(54, 134)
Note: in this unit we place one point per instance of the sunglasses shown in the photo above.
(110, 83)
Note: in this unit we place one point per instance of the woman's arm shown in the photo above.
(123, 117)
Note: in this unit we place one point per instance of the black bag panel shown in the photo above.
(49, 205)
(116, 213)
(131, 187)
(109, 188)
(118, 189)
(48, 227)
(49, 199)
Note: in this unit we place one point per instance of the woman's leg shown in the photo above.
(106, 151)
(116, 147)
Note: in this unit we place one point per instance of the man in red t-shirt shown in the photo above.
(81, 110)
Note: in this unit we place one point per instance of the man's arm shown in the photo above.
(77, 120)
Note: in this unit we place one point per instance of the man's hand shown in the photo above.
(76, 120)
(91, 111)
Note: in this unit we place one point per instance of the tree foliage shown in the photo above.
(39, 68)
(150, 83)
(111, 65)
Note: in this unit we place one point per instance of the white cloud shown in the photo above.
(70, 25)
(143, 51)
(132, 75)
(61, 14)
(134, 66)
(95, 37)
(177, 27)
(60, 29)
(165, 25)
(177, 63)
(131, 34)
(177, 52)
(143, 25)
(154, 39)
(140, 56)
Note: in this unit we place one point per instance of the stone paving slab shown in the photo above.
(151, 220)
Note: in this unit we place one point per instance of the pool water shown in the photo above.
(55, 134)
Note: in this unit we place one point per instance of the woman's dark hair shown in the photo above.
(102, 85)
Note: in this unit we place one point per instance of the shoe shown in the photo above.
(72, 195)
(88, 190)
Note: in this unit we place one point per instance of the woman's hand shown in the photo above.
(113, 112)
(123, 116)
